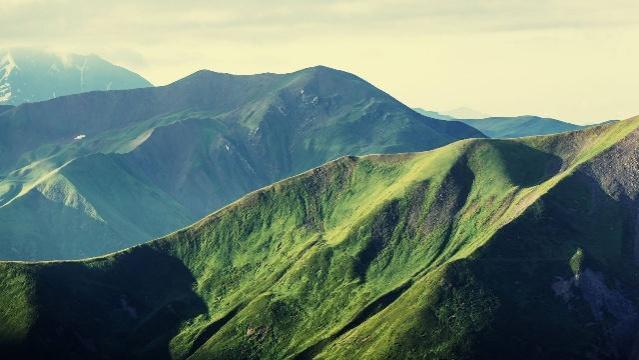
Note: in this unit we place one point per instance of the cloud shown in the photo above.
(126, 57)
(434, 53)
(241, 20)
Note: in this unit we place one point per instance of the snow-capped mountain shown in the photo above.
(32, 75)
(7, 66)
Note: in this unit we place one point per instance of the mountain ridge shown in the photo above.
(519, 126)
(411, 255)
(511, 126)
(210, 133)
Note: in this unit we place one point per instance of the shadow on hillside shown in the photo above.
(537, 251)
(524, 165)
(128, 308)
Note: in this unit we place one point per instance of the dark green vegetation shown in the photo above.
(30, 75)
(482, 249)
(87, 174)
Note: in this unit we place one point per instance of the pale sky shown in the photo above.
(577, 60)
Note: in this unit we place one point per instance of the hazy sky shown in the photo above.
(577, 60)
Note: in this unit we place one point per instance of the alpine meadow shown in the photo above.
(273, 208)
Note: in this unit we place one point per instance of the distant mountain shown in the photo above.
(86, 174)
(4, 108)
(465, 113)
(518, 126)
(510, 127)
(482, 249)
(433, 114)
(31, 75)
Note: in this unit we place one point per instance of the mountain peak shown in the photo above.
(320, 68)
(205, 74)
(7, 67)
(31, 75)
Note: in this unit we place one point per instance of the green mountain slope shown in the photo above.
(481, 249)
(79, 174)
(29, 75)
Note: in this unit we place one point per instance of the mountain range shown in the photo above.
(28, 75)
(453, 114)
(465, 113)
(86, 174)
(519, 126)
(480, 249)
(508, 127)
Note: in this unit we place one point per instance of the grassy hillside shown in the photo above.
(92, 173)
(481, 249)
